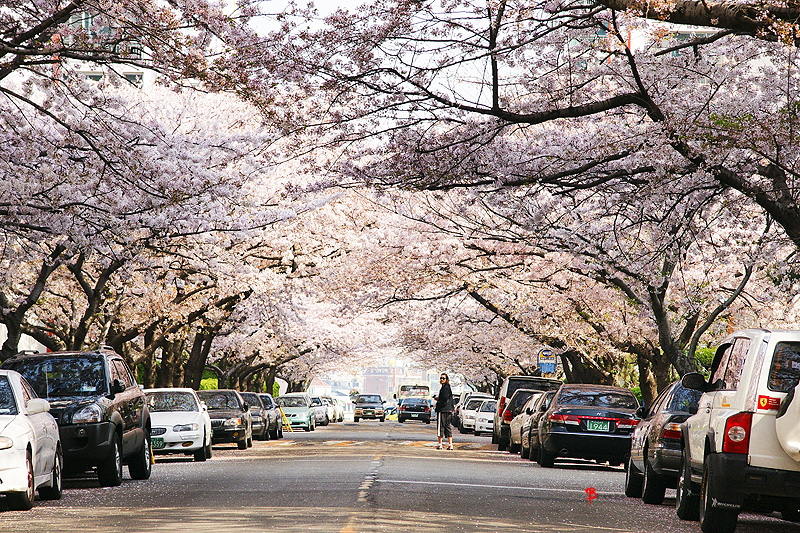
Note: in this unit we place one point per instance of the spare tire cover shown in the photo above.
(787, 424)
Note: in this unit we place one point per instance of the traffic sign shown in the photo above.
(546, 361)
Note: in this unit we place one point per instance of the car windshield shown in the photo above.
(8, 406)
(220, 400)
(371, 398)
(473, 404)
(252, 399)
(63, 377)
(487, 407)
(597, 398)
(292, 401)
(166, 401)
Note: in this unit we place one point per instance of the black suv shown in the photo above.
(102, 414)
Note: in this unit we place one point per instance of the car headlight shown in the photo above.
(6, 443)
(89, 414)
(233, 422)
(186, 427)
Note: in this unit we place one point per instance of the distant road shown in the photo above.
(370, 477)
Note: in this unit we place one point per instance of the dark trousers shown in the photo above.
(443, 428)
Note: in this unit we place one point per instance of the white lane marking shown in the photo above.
(503, 487)
(369, 479)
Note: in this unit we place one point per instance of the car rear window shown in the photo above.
(7, 404)
(167, 401)
(597, 398)
(63, 377)
(684, 400)
(785, 370)
(415, 401)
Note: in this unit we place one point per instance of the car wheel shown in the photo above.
(791, 511)
(502, 445)
(400, 420)
(141, 465)
(524, 451)
(714, 519)
(273, 434)
(633, 481)
(54, 491)
(687, 498)
(355, 419)
(109, 472)
(653, 485)
(22, 501)
(200, 453)
(280, 431)
(428, 421)
(546, 459)
(242, 444)
(495, 440)
(513, 448)
(250, 442)
(208, 449)
(382, 419)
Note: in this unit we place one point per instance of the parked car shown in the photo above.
(655, 457)
(588, 422)
(510, 384)
(320, 411)
(30, 446)
(530, 445)
(469, 410)
(181, 423)
(468, 403)
(741, 448)
(336, 409)
(369, 406)
(521, 423)
(513, 408)
(484, 417)
(230, 417)
(273, 418)
(414, 409)
(102, 415)
(257, 415)
(297, 408)
(461, 401)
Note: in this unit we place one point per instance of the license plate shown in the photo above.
(414, 414)
(157, 443)
(597, 425)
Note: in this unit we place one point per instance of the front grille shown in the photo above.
(158, 431)
(216, 423)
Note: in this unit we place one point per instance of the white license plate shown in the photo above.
(414, 414)
(597, 425)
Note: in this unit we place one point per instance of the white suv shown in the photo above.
(736, 449)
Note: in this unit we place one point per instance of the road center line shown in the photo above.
(502, 487)
(369, 479)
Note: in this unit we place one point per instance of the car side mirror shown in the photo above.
(528, 411)
(37, 405)
(203, 406)
(641, 412)
(694, 381)
(117, 386)
(543, 407)
(245, 407)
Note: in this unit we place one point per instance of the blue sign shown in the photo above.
(547, 361)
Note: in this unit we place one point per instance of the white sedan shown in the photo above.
(30, 448)
(180, 422)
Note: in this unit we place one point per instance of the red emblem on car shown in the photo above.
(768, 403)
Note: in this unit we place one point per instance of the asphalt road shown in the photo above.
(365, 477)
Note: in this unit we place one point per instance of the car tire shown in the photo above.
(653, 485)
(54, 491)
(546, 459)
(140, 465)
(513, 448)
(109, 472)
(428, 421)
(242, 444)
(200, 453)
(273, 434)
(400, 420)
(791, 511)
(208, 449)
(687, 498)
(355, 419)
(382, 419)
(633, 481)
(495, 440)
(502, 445)
(713, 519)
(250, 441)
(22, 501)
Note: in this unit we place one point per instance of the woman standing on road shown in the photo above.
(444, 410)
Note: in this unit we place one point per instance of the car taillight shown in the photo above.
(671, 431)
(402, 407)
(507, 416)
(502, 404)
(558, 418)
(627, 423)
(427, 409)
(737, 433)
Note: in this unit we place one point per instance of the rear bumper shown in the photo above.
(587, 446)
(740, 482)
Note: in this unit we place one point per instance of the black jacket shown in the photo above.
(444, 402)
